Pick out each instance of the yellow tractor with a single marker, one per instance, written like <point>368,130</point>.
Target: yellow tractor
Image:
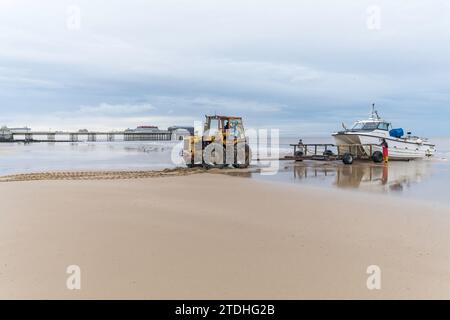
<point>223,143</point>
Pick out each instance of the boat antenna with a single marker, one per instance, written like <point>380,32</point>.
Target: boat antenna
<point>374,112</point>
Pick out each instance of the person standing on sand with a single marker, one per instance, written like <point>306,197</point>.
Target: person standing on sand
<point>385,146</point>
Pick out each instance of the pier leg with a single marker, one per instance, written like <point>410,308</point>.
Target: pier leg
<point>92,137</point>
<point>73,137</point>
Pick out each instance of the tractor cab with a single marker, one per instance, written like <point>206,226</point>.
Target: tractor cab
<point>223,128</point>
<point>223,143</point>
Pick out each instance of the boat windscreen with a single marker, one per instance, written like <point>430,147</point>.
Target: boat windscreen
<point>365,126</point>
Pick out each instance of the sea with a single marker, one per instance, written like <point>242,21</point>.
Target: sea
<point>427,180</point>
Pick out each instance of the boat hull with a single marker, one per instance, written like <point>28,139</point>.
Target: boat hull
<point>399,148</point>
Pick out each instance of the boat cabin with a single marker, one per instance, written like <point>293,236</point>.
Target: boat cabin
<point>371,126</point>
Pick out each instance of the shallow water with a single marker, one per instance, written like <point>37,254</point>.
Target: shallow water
<point>39,157</point>
<point>425,180</point>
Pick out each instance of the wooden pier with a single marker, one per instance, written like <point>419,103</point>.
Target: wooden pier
<point>90,136</point>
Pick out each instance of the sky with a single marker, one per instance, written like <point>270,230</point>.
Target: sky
<point>303,67</point>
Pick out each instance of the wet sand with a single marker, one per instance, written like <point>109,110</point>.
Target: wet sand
<point>209,236</point>
<point>425,180</point>
<point>100,175</point>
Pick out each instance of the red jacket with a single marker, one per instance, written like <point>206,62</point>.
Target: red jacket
<point>385,150</point>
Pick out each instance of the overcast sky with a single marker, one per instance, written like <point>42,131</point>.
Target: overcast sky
<point>301,66</point>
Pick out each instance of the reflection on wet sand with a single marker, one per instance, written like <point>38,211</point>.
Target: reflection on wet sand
<point>394,176</point>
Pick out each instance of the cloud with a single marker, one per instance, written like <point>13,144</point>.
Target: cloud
<point>106,109</point>
<point>65,122</point>
<point>274,62</point>
<point>223,105</point>
<point>212,104</point>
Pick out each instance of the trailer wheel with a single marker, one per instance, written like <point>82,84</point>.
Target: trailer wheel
<point>347,158</point>
<point>377,157</point>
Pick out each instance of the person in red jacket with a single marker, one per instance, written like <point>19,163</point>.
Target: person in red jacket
<point>385,146</point>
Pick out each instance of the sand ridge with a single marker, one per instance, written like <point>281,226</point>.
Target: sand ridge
<point>119,174</point>
<point>98,175</point>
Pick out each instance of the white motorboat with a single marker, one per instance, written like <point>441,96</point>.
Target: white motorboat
<point>371,132</point>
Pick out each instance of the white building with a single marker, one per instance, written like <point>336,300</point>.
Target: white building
<point>146,133</point>
<point>6,134</point>
<point>144,129</point>
<point>179,134</point>
<point>20,130</point>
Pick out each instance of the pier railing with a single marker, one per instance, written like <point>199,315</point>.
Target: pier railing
<point>91,136</point>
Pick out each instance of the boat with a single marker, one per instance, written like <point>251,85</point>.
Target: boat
<point>369,134</point>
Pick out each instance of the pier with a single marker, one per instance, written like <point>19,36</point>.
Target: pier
<point>90,136</point>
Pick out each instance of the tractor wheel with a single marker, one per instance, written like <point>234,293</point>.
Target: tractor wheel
<point>347,158</point>
<point>248,158</point>
<point>190,165</point>
<point>213,156</point>
<point>190,161</point>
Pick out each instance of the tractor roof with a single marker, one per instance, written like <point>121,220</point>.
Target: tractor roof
<point>223,117</point>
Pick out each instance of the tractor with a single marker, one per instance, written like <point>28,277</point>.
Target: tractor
<point>223,143</point>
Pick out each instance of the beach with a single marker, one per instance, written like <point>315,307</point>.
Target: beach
<point>214,236</point>
<point>227,150</point>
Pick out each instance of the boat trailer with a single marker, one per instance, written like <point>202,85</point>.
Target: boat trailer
<point>329,152</point>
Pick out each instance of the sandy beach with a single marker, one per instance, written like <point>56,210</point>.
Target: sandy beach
<point>211,236</point>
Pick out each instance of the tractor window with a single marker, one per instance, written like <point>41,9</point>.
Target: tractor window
<point>236,129</point>
<point>213,127</point>
<point>226,125</point>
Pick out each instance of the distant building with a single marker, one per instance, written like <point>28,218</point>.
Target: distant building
<point>143,129</point>
<point>180,133</point>
<point>154,133</point>
<point>147,133</point>
<point>7,134</point>
<point>20,130</point>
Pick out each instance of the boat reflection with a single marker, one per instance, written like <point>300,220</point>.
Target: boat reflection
<point>393,177</point>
